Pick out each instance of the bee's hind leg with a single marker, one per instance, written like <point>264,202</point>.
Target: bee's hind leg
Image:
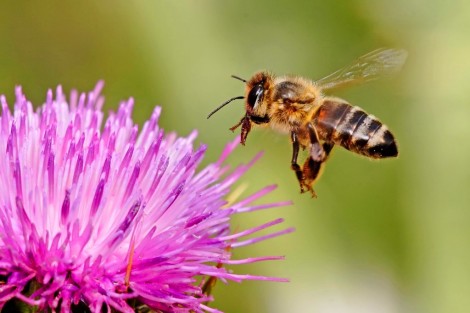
<point>299,173</point>
<point>318,155</point>
<point>313,165</point>
<point>311,169</point>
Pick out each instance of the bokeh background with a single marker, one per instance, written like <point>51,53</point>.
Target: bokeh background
<point>383,236</point>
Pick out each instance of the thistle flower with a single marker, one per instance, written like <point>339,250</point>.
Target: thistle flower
<point>112,219</point>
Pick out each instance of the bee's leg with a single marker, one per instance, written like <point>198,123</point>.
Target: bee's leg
<point>245,123</point>
<point>312,166</point>
<point>293,164</point>
<point>318,154</point>
<point>310,171</point>
<point>237,125</point>
<point>327,147</point>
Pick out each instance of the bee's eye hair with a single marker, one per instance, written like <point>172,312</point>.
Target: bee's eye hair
<point>255,94</point>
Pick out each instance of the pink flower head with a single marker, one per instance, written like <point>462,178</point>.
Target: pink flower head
<point>109,218</point>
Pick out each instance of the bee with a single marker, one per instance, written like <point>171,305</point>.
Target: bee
<point>316,122</point>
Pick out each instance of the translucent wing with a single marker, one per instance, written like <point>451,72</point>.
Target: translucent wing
<point>375,64</point>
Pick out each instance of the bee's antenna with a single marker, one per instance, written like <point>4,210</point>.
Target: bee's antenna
<point>239,78</point>
<point>224,104</point>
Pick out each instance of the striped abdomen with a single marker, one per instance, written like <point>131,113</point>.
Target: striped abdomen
<point>354,129</point>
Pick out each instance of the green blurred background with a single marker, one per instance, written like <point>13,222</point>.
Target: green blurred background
<point>383,236</point>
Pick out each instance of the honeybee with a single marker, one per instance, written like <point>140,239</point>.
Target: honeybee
<point>316,122</point>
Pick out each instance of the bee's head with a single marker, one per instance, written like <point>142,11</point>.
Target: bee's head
<point>256,91</point>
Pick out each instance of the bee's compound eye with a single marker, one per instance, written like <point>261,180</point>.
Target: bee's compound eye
<point>255,94</point>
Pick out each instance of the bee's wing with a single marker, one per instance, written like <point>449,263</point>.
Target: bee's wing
<point>375,64</point>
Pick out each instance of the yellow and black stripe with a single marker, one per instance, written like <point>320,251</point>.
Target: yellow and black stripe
<point>338,122</point>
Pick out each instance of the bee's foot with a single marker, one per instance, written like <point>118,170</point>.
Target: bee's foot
<point>307,188</point>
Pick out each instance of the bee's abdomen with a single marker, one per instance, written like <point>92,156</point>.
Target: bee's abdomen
<point>354,129</point>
